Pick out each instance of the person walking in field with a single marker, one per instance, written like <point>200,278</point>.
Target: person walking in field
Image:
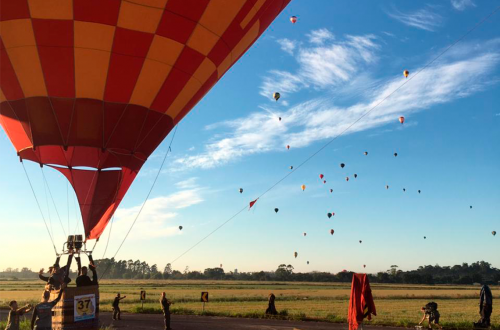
<point>116,307</point>
<point>432,314</point>
<point>485,307</point>
<point>271,309</point>
<point>165,307</point>
<point>14,314</point>
<point>42,314</point>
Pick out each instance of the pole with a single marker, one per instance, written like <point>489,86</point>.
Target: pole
<point>203,307</point>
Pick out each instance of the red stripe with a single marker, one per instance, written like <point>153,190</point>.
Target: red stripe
<point>172,86</point>
<point>97,11</point>
<point>14,9</point>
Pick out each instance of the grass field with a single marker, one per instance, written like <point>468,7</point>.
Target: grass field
<point>396,304</point>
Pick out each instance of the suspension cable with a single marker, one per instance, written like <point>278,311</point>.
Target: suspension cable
<point>346,129</point>
<point>53,202</point>
<point>109,236</point>
<point>39,208</point>
<point>169,150</point>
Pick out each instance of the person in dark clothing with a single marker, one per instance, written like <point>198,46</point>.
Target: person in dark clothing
<point>84,279</point>
<point>116,307</point>
<point>432,314</point>
<point>485,307</point>
<point>165,307</point>
<point>42,314</point>
<point>14,314</point>
<point>57,275</point>
<point>271,309</point>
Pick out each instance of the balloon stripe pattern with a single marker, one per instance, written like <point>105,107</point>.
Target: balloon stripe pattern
<point>99,84</point>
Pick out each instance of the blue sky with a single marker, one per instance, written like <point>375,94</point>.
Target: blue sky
<point>335,63</point>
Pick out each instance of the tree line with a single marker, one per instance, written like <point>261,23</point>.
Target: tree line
<point>476,272</point>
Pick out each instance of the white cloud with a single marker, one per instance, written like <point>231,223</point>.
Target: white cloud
<point>323,66</point>
<point>462,4</point>
<point>464,71</point>
<point>159,218</point>
<point>320,36</point>
<point>287,45</point>
<point>423,19</point>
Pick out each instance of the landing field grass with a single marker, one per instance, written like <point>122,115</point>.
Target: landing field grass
<point>397,305</point>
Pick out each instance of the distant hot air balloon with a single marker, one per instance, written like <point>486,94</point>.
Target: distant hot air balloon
<point>366,153</point>
<point>347,178</point>
<point>419,191</point>
<point>331,190</point>
<point>291,167</point>
<point>303,187</point>
<point>406,73</point>
<point>355,175</point>
<point>288,147</point>
<point>425,237</point>
<point>180,227</point>
<point>402,119</point>
<point>387,187</point>
<point>295,254</point>
<point>308,262</point>
<point>360,241</point>
<point>364,266</point>
<point>342,165</point>
<point>332,231</point>
<point>293,19</point>
<point>321,176</point>
<point>395,154</point>
<point>220,265</point>
<point>241,190</point>
<point>276,96</point>
<point>305,234</point>
<point>404,190</point>
<point>333,214</point>
<point>493,233</point>
<point>471,206</point>
<point>279,118</point>
<point>276,210</point>
<point>329,215</point>
<point>324,181</point>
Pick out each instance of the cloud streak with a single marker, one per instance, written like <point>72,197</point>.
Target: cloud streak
<point>423,19</point>
<point>462,4</point>
<point>464,71</point>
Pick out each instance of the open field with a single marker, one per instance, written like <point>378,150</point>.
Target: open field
<point>396,304</point>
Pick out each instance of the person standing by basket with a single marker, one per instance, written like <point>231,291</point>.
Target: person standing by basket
<point>42,314</point>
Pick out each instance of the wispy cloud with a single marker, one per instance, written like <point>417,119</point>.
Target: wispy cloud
<point>462,4</point>
<point>465,71</point>
<point>323,66</point>
<point>159,216</point>
<point>287,45</point>
<point>320,36</point>
<point>424,19</point>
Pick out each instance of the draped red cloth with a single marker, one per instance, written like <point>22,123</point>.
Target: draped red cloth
<point>361,303</point>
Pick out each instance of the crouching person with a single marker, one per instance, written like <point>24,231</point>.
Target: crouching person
<point>431,314</point>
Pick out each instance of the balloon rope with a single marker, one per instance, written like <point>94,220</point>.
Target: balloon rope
<point>39,208</point>
<point>147,197</point>
<point>109,236</point>
<point>348,127</point>
<point>54,203</point>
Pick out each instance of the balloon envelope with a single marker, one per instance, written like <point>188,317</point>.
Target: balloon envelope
<point>401,119</point>
<point>303,187</point>
<point>91,88</point>
<point>293,19</point>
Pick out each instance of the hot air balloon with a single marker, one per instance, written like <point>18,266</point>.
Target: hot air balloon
<point>471,206</point>
<point>91,88</point>
<point>329,215</point>
<point>241,190</point>
<point>303,187</point>
<point>293,19</point>
<point>288,147</point>
<point>295,254</point>
<point>419,191</point>
<point>180,227</point>
<point>220,265</point>
<point>321,176</point>
<point>395,154</point>
<point>308,262</point>
<point>387,187</point>
<point>402,119</point>
<point>342,165</point>
<point>276,96</point>
<point>493,233</point>
<point>331,190</point>
<point>291,167</point>
<point>406,73</point>
<point>355,175</point>
<point>276,210</point>
<point>425,237</point>
<point>404,190</point>
<point>347,178</point>
<point>333,214</point>
<point>332,231</point>
<point>305,234</point>
<point>279,118</point>
<point>360,242</point>
<point>324,181</point>
<point>366,153</point>
<point>364,266</point>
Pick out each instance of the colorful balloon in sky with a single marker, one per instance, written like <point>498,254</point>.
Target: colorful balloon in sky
<point>342,165</point>
<point>276,96</point>
<point>321,176</point>
<point>402,119</point>
<point>406,73</point>
<point>295,254</point>
<point>332,231</point>
<point>241,190</point>
<point>329,215</point>
<point>293,19</point>
<point>303,187</point>
<point>91,88</point>
<point>493,233</point>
